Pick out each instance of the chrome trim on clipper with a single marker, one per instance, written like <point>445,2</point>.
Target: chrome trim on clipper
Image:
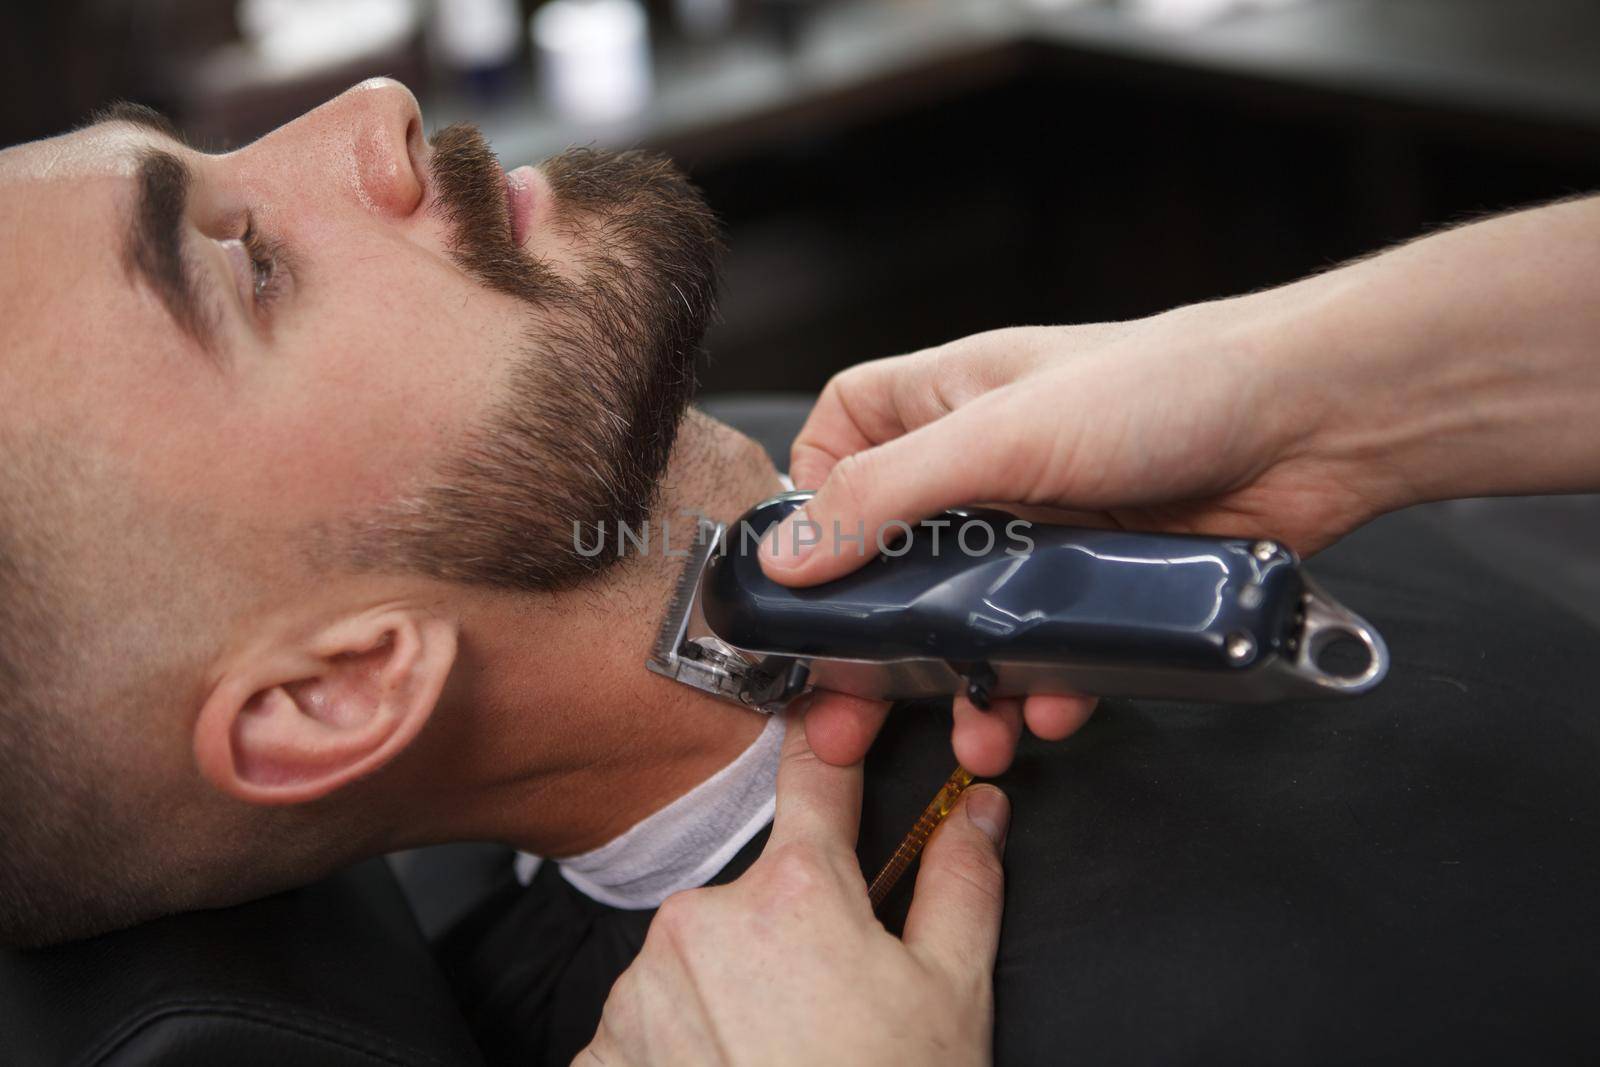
<point>1326,620</point>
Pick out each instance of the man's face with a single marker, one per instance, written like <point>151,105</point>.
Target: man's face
<point>236,388</point>
<point>323,330</point>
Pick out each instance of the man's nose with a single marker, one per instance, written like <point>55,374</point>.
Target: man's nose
<point>372,135</point>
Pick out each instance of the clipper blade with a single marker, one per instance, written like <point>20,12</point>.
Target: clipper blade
<point>668,648</point>
<point>687,651</point>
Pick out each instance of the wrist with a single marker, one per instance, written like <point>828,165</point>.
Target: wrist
<point>1344,382</point>
<point>1302,390</point>
<point>1458,365</point>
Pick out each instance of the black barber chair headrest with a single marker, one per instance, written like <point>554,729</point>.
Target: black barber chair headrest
<point>336,974</point>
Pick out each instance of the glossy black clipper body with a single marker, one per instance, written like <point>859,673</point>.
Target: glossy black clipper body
<point>981,600</point>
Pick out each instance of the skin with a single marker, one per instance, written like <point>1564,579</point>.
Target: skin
<point>740,973</point>
<point>385,711</point>
<point>382,353</point>
<point>1460,365</point>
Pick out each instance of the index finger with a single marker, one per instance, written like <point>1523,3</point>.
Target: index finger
<point>817,802</point>
<point>855,411</point>
<point>875,402</point>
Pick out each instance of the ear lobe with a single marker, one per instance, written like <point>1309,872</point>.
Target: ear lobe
<point>293,724</point>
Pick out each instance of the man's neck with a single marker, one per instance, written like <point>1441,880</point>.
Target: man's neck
<point>587,741</point>
<point>553,736</point>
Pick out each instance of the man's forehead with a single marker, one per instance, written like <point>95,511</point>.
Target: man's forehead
<point>66,295</point>
<point>61,203</point>
<point>105,150</point>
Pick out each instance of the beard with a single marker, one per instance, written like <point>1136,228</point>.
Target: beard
<point>582,433</point>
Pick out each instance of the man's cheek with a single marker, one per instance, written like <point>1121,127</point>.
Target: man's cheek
<point>336,427</point>
<point>373,376</point>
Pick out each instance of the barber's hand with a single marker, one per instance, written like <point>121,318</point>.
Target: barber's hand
<point>787,965</point>
<point>1173,423</point>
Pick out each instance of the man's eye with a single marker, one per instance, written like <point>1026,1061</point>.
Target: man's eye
<point>263,264</point>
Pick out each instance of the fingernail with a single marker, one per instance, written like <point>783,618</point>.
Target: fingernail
<point>990,812</point>
<point>789,545</point>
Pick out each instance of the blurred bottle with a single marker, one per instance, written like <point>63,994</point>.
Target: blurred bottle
<point>477,42</point>
<point>703,20</point>
<point>785,21</point>
<point>1194,14</point>
<point>286,39</point>
<point>593,58</point>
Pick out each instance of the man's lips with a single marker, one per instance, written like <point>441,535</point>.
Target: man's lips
<point>520,197</point>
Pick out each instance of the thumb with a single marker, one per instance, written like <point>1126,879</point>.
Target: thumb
<point>954,920</point>
<point>840,728</point>
<point>972,454</point>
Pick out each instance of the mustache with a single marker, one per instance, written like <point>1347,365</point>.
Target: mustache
<point>584,425</point>
<point>470,197</point>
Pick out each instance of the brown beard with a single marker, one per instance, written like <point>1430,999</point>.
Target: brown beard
<point>582,434</point>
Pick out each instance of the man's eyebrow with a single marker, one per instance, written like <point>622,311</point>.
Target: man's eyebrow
<point>153,246</point>
<point>139,115</point>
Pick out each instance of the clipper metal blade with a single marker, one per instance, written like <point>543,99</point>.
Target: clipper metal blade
<point>665,653</point>
<point>686,651</point>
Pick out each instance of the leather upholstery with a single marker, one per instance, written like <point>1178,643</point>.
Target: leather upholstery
<point>336,974</point>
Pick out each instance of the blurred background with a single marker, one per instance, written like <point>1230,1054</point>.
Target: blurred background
<point>895,173</point>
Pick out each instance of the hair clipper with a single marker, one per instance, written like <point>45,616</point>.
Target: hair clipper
<point>983,602</point>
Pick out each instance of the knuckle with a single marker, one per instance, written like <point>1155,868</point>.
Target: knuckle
<point>851,482</point>
<point>809,464</point>
<point>679,914</point>
<point>963,374</point>
<point>978,869</point>
<point>796,862</point>
<point>980,348</point>
<point>796,871</point>
<point>796,758</point>
<point>841,383</point>
<point>945,385</point>
<point>624,996</point>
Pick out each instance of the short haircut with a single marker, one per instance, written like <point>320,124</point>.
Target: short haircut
<point>91,648</point>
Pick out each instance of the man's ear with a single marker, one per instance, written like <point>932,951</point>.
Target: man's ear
<point>292,723</point>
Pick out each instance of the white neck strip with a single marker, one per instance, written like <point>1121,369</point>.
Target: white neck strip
<point>685,843</point>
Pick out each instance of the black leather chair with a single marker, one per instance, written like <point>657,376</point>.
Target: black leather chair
<point>336,973</point>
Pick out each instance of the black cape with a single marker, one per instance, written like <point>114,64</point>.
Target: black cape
<point>1406,877</point>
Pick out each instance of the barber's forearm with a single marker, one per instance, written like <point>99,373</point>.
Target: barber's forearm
<point>1463,364</point>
